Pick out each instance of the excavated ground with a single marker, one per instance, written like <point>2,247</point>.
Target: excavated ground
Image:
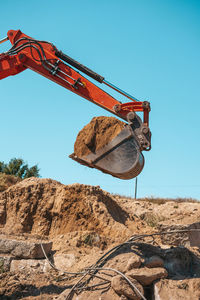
<point>83,222</point>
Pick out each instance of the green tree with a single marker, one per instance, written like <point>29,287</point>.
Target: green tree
<point>19,168</point>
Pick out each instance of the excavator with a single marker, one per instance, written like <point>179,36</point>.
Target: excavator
<point>122,157</point>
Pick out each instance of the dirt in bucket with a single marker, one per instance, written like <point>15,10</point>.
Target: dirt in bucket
<point>95,135</point>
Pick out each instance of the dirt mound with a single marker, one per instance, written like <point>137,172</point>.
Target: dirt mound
<point>95,135</point>
<point>82,221</point>
<point>7,180</point>
<point>45,207</point>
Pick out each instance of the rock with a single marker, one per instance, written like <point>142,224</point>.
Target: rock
<point>27,265</point>
<point>154,262</point>
<point>190,238</point>
<point>188,289</point>
<point>123,260</point>
<point>146,276</point>
<point>178,261</point>
<point>122,287</point>
<point>134,262</point>
<point>64,261</point>
<point>24,249</point>
<point>5,262</point>
<point>110,295</point>
<point>194,237</point>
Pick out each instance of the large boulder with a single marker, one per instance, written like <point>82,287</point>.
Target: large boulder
<point>24,249</point>
<point>147,276</point>
<point>124,262</point>
<point>121,286</point>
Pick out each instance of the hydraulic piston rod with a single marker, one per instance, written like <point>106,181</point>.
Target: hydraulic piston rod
<point>92,74</point>
<point>112,86</point>
<point>4,40</point>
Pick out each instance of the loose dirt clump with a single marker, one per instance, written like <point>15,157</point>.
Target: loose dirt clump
<point>95,135</point>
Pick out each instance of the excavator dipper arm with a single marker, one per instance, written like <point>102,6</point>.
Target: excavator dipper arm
<point>44,58</point>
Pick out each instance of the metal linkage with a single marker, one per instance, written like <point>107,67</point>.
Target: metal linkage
<point>56,69</point>
<point>42,57</point>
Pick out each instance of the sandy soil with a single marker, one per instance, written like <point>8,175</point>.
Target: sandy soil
<point>81,220</point>
<point>96,135</point>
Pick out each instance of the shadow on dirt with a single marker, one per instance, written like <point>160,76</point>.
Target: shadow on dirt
<point>27,290</point>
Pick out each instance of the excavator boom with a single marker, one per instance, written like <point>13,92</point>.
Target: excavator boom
<point>44,58</point>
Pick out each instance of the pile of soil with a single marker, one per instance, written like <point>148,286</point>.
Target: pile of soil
<point>48,209</point>
<point>45,207</point>
<point>7,180</point>
<point>95,135</point>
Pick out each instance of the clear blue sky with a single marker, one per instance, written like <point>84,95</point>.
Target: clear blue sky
<point>149,48</point>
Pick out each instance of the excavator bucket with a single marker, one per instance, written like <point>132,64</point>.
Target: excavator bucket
<point>121,157</point>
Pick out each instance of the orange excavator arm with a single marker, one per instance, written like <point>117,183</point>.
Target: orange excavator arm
<point>44,58</point>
